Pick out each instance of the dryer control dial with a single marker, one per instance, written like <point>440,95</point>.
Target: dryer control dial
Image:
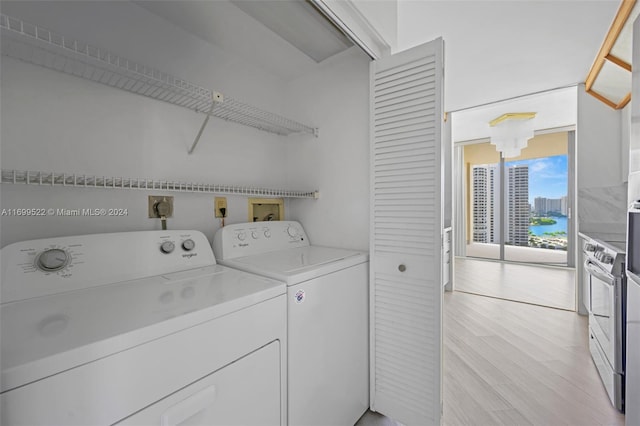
<point>167,247</point>
<point>188,245</point>
<point>52,260</point>
<point>242,236</point>
<point>267,233</point>
<point>293,232</point>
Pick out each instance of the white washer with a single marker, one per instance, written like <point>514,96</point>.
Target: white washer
<point>328,316</point>
<point>138,328</point>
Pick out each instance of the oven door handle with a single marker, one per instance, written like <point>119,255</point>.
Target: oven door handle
<point>596,272</point>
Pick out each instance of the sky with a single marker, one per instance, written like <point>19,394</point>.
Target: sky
<point>548,176</point>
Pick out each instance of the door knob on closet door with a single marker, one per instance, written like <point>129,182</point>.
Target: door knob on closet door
<point>402,267</point>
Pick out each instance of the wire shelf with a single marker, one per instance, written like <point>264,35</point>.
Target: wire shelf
<point>87,181</point>
<point>39,46</point>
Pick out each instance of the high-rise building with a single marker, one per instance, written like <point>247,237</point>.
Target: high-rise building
<point>554,205</point>
<point>493,206</point>
<point>539,205</point>
<point>564,206</point>
<point>517,206</point>
<point>480,212</point>
<point>546,206</point>
<point>486,204</point>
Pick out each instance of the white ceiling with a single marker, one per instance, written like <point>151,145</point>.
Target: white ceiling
<point>494,50</point>
<point>554,109</point>
<point>497,50</point>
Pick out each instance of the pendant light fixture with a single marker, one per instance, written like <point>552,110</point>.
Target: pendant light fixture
<point>510,132</point>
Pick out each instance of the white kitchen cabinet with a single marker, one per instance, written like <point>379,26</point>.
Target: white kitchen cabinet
<point>632,372</point>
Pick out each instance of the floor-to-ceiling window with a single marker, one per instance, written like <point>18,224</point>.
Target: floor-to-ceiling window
<point>518,208</point>
<point>483,166</point>
<point>538,210</point>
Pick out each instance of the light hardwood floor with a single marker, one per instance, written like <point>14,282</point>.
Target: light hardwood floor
<point>540,285</point>
<point>508,363</point>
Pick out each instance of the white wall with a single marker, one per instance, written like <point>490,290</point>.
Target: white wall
<point>634,123</point>
<point>336,98</point>
<point>633,108</point>
<point>56,122</point>
<point>625,138</point>
<point>602,192</point>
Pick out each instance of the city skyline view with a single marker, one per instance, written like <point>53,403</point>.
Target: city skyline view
<point>548,176</point>
<point>487,217</point>
<point>535,202</point>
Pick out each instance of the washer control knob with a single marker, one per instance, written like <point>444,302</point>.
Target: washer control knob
<point>267,233</point>
<point>607,258</point>
<point>590,247</point>
<point>188,245</point>
<point>293,232</point>
<point>242,236</point>
<point>254,235</point>
<point>167,247</point>
<point>52,260</point>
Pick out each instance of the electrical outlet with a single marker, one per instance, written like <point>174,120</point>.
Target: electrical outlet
<point>220,203</point>
<point>154,203</point>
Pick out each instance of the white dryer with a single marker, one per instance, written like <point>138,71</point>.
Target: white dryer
<point>138,328</point>
<point>328,316</point>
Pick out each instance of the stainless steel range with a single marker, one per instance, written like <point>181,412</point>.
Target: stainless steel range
<point>604,269</point>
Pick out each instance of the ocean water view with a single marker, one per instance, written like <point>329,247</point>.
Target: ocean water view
<point>560,225</point>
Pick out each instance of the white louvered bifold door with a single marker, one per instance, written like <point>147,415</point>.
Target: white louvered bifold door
<point>406,235</point>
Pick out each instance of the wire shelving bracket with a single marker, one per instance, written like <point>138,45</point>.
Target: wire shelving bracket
<point>104,182</point>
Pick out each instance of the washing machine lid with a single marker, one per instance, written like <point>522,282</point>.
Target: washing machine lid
<point>299,264</point>
<point>46,335</point>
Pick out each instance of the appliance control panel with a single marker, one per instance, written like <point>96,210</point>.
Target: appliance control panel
<point>607,255</point>
<point>245,239</point>
<point>48,266</point>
